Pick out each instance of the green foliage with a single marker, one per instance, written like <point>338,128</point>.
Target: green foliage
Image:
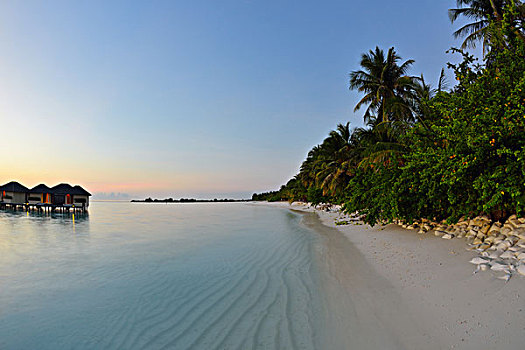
<point>469,158</point>
<point>489,19</point>
<point>370,193</point>
<point>315,196</point>
<point>387,87</point>
<point>272,196</point>
<point>465,159</point>
<point>431,153</point>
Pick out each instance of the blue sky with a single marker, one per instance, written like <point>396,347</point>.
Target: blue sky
<point>191,98</point>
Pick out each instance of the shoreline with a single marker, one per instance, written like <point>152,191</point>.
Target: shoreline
<point>432,300</point>
<point>359,302</point>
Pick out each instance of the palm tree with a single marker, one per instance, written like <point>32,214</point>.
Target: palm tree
<point>483,12</point>
<point>380,146</point>
<point>330,165</point>
<point>425,92</point>
<point>386,86</point>
<point>308,168</point>
<point>336,166</point>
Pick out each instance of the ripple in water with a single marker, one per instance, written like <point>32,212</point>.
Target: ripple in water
<point>178,276</point>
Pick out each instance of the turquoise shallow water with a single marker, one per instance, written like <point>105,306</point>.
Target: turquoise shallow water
<point>156,276</point>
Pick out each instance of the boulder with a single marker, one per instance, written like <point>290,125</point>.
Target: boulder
<point>485,228</point>
<point>476,227</point>
<point>505,277</point>
<point>471,233</point>
<point>499,238</point>
<point>494,255</point>
<point>514,223</point>
<point>463,221</point>
<point>507,255</point>
<point>439,233</point>
<point>506,230</point>
<point>484,246</point>
<point>479,260</point>
<point>498,266</point>
<point>494,229</point>
<point>504,245</point>
<point>489,239</point>
<point>477,241</point>
<point>450,229</point>
<point>520,234</point>
<point>512,239</point>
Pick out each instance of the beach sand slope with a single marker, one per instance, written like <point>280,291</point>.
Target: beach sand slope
<point>406,290</point>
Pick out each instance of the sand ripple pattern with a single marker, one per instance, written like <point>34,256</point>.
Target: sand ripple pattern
<point>254,288</point>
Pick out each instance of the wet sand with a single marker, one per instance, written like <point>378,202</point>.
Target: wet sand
<point>390,288</point>
<point>363,309</point>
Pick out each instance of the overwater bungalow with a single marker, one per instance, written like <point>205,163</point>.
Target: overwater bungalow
<point>81,197</point>
<point>63,197</point>
<point>40,194</point>
<point>14,193</point>
<point>65,194</point>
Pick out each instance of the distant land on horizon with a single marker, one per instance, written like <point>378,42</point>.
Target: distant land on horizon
<point>187,200</point>
<point>111,196</point>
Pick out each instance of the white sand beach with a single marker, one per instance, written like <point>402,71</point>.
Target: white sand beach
<point>406,290</point>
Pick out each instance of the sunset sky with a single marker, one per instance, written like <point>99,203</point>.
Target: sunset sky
<point>191,98</point>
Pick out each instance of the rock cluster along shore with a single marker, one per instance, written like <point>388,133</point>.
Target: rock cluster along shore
<point>501,247</point>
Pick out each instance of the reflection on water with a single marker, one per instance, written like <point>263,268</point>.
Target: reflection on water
<point>36,216</point>
<point>181,276</point>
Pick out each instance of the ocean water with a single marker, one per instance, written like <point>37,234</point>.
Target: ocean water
<point>157,276</point>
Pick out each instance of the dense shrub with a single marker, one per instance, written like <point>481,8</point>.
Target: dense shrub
<point>467,157</point>
<point>428,153</point>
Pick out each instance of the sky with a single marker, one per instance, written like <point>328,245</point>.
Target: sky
<point>193,98</point>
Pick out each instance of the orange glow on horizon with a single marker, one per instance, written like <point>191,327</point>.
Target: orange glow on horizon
<point>135,182</point>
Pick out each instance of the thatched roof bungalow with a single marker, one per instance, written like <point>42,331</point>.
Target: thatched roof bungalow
<point>14,193</point>
<point>69,195</point>
<point>39,194</point>
<point>81,197</point>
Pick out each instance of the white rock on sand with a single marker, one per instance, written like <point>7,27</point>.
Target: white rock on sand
<point>499,267</point>
<point>507,255</point>
<point>477,260</point>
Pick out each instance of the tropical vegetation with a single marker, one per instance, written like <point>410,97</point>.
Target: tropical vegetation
<point>436,153</point>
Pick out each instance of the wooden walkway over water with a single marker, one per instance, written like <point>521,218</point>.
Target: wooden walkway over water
<point>44,207</point>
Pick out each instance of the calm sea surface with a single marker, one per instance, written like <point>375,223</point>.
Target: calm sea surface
<point>156,276</point>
